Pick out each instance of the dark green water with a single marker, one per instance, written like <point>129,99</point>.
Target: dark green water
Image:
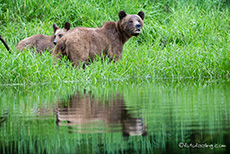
<point>149,118</point>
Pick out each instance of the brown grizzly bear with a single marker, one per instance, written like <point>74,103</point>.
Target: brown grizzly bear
<point>43,42</point>
<point>82,44</point>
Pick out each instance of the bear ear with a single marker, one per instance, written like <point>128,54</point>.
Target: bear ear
<point>55,27</point>
<point>67,26</point>
<point>122,14</point>
<point>142,15</point>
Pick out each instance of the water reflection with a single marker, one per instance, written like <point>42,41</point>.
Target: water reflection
<point>179,119</point>
<point>3,117</point>
<point>87,114</point>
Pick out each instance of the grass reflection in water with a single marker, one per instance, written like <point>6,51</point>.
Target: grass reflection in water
<point>179,118</point>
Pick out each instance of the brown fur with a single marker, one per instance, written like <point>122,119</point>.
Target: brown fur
<point>82,43</point>
<point>42,42</point>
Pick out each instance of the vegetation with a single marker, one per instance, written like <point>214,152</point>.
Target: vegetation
<point>181,39</point>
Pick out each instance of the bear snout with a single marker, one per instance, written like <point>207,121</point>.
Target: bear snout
<point>138,26</point>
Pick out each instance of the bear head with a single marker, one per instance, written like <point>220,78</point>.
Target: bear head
<point>58,33</point>
<point>129,24</point>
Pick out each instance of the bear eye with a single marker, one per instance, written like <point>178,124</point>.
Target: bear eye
<point>130,21</point>
<point>60,35</point>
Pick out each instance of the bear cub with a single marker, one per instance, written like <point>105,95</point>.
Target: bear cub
<point>42,42</point>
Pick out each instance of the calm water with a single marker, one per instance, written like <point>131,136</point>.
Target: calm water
<point>154,118</point>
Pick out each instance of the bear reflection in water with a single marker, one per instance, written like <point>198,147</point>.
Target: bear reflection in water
<point>82,110</point>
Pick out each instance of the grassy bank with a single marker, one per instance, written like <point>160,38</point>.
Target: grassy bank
<point>180,39</point>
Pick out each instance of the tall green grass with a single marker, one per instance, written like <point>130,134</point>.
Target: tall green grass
<point>180,39</point>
